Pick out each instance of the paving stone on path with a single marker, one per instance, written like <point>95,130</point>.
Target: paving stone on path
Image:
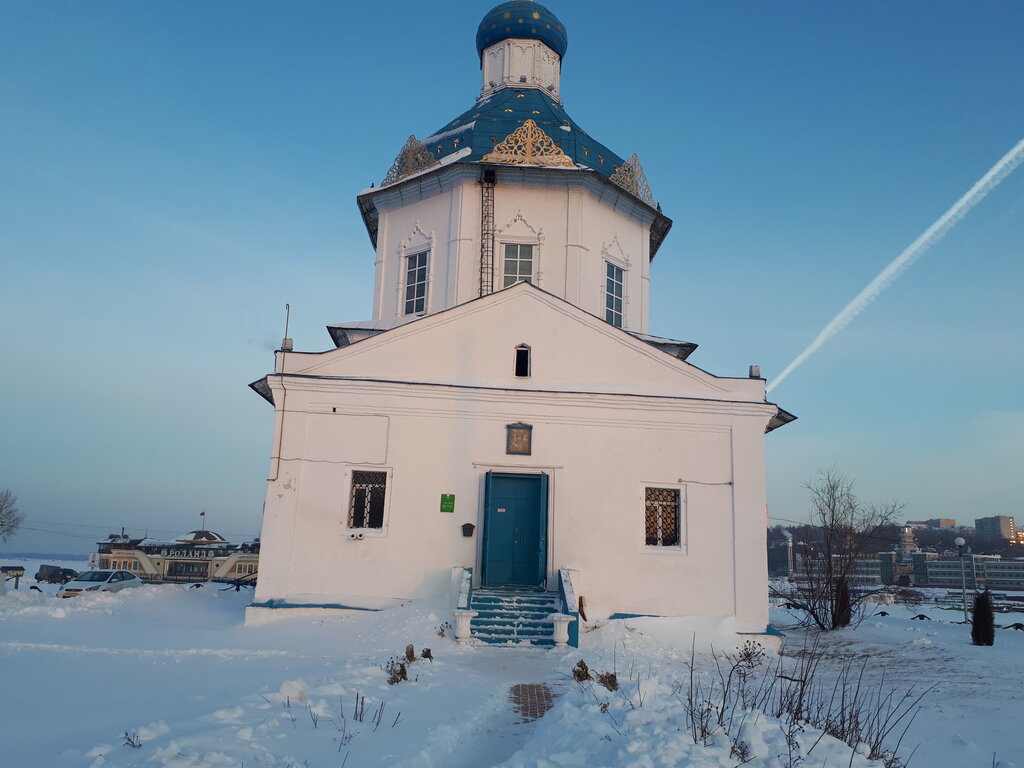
<point>531,700</point>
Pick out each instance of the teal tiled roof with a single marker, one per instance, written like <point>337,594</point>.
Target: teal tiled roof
<point>491,119</point>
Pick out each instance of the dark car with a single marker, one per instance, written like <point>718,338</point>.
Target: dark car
<point>53,574</point>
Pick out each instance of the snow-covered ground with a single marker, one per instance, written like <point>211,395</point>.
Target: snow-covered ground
<point>173,670</point>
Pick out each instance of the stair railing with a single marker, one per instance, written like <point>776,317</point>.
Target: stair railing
<point>463,612</point>
<point>570,607</point>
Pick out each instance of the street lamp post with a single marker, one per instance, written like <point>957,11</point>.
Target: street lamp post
<point>959,541</point>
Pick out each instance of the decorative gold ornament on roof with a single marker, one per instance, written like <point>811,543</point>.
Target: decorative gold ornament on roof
<point>529,145</point>
<point>413,158</point>
<point>631,177</point>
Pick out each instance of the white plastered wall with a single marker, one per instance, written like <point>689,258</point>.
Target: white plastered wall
<point>434,436</point>
<point>573,231</point>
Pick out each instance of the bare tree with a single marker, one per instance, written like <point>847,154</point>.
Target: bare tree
<point>10,517</point>
<point>830,589</point>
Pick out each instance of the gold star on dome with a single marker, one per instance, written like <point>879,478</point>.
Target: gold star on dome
<point>506,15</point>
<point>536,16</point>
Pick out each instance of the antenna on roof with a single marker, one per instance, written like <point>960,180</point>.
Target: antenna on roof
<point>286,343</point>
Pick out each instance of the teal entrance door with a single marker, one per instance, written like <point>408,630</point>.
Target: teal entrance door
<point>515,529</point>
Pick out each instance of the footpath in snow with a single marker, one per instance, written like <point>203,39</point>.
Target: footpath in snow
<point>168,676</point>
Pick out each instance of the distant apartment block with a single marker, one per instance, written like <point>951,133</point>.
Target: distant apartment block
<point>996,528</point>
<point>921,569</point>
<point>935,522</point>
<point>979,572</point>
<point>866,570</point>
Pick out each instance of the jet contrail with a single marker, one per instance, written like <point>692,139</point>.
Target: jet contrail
<point>928,238</point>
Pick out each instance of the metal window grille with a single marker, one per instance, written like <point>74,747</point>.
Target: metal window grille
<point>518,264</point>
<point>416,283</point>
<point>366,505</point>
<point>613,294</point>
<point>661,517</point>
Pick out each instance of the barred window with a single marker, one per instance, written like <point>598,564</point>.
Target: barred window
<point>661,517</point>
<point>366,504</point>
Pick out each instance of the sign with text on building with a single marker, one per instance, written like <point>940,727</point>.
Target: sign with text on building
<point>448,502</point>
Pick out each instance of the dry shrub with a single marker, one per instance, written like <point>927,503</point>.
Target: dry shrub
<point>397,672</point>
<point>609,680</point>
<point>581,672</point>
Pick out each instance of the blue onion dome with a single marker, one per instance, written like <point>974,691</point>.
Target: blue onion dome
<point>522,19</point>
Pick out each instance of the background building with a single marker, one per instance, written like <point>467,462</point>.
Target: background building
<point>197,556</point>
<point>997,528</point>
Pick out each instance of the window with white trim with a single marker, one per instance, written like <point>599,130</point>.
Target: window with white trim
<point>416,282</point>
<point>366,500</point>
<point>662,522</point>
<point>517,264</point>
<point>613,294</point>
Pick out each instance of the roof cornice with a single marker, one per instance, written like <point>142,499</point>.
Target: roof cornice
<point>443,178</point>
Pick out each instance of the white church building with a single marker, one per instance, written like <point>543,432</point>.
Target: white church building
<point>504,430</point>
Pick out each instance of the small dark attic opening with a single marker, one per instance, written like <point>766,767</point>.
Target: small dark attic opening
<point>522,361</point>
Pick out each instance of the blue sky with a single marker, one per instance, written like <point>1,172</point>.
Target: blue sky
<point>172,173</point>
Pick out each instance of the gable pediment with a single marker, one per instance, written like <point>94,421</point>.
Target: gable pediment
<point>474,344</point>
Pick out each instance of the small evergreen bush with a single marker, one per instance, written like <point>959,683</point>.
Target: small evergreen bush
<point>983,625</point>
<point>843,613</point>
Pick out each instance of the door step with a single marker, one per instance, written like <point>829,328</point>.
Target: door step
<point>514,617</point>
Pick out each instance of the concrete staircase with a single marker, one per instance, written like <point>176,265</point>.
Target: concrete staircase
<point>514,617</point>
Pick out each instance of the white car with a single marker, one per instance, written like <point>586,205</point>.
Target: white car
<point>99,581</point>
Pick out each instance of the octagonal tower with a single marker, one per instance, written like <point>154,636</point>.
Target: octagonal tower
<point>511,190</point>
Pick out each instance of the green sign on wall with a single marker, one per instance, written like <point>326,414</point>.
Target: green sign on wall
<point>448,502</point>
